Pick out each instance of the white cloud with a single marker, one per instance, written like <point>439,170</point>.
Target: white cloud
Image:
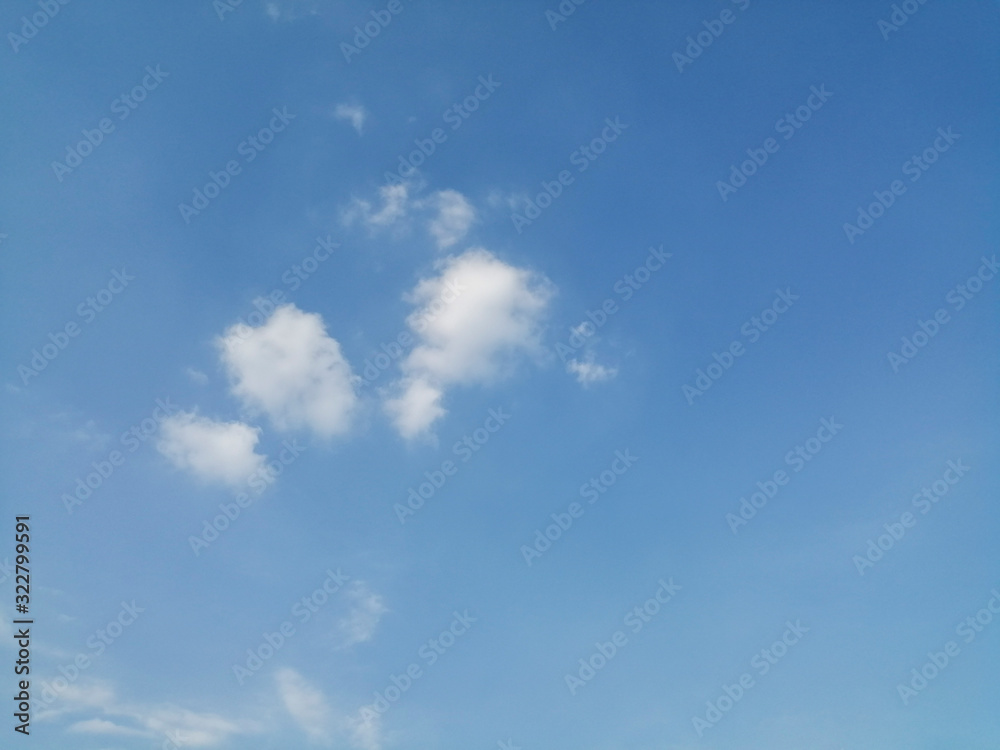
<point>473,322</point>
<point>588,372</point>
<point>213,451</point>
<point>455,215</point>
<point>196,376</point>
<point>366,610</point>
<point>306,704</point>
<point>290,369</point>
<point>353,113</point>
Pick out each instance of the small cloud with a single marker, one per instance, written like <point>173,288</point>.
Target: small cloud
<point>212,451</point>
<point>395,207</point>
<point>497,199</point>
<point>417,406</point>
<point>361,621</point>
<point>290,10</point>
<point>455,215</point>
<point>588,372</point>
<point>90,436</point>
<point>353,113</point>
<point>196,376</point>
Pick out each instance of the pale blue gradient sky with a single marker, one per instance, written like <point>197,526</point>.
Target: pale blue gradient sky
<point>826,357</point>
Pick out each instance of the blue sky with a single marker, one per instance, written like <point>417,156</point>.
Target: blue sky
<point>420,443</point>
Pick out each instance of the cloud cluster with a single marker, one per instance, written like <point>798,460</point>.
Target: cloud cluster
<point>447,215</point>
<point>475,318</point>
<point>473,321</point>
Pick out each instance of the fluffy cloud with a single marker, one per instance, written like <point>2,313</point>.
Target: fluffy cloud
<point>353,113</point>
<point>213,451</point>
<point>291,370</point>
<point>455,215</point>
<point>473,322</point>
<point>366,610</point>
<point>307,706</point>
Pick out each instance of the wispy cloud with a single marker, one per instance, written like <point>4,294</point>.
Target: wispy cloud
<point>366,609</point>
<point>447,215</point>
<point>455,215</point>
<point>356,114</point>
<point>118,719</point>
<point>307,706</point>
